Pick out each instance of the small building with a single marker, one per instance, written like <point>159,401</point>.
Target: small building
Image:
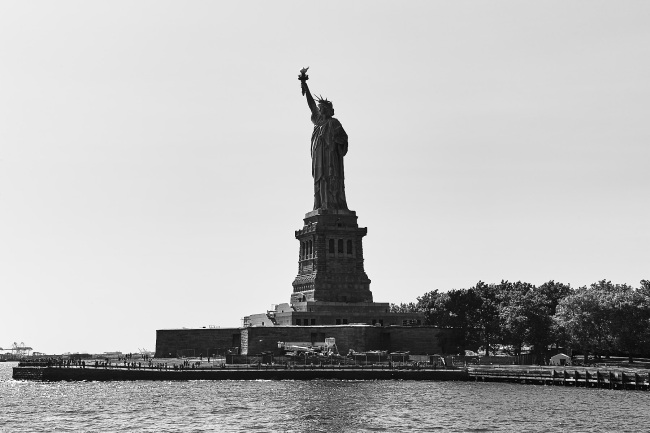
<point>560,359</point>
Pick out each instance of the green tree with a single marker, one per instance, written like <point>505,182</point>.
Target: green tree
<point>432,304</point>
<point>514,313</point>
<point>542,306</point>
<point>594,318</point>
<point>486,317</point>
<point>455,311</point>
<point>403,308</point>
<point>629,319</point>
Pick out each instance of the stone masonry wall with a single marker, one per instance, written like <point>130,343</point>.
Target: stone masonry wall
<point>254,340</point>
<point>414,339</point>
<point>193,342</point>
<point>417,340</point>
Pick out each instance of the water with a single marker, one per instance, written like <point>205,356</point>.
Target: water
<point>314,406</point>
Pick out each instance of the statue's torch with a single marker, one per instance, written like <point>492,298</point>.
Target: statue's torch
<point>303,77</point>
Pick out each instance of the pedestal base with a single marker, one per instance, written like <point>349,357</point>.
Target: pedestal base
<point>330,266</point>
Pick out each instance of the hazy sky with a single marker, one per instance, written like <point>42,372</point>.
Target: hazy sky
<point>154,156</point>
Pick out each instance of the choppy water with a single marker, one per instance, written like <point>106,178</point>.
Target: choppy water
<point>314,406</point>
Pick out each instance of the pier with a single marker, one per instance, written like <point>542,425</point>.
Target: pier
<point>586,378</point>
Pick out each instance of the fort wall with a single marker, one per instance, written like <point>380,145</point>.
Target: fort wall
<point>196,342</point>
<point>256,339</point>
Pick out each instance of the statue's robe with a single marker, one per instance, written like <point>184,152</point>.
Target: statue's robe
<point>329,144</point>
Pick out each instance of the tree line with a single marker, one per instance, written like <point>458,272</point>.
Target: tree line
<point>600,320</point>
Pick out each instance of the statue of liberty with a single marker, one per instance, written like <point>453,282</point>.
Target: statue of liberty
<point>329,144</point>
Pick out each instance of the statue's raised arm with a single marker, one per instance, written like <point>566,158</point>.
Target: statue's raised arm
<point>303,77</point>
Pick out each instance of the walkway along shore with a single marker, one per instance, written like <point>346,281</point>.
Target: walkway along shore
<point>245,372</point>
<point>588,378</point>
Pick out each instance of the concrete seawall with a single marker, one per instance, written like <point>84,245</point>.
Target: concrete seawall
<point>639,380</point>
<point>120,374</point>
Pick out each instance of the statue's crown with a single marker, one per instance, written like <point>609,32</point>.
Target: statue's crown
<point>322,100</point>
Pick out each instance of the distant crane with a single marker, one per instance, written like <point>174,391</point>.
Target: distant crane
<point>19,350</point>
<point>145,353</point>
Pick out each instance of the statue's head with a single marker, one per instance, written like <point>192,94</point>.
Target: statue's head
<point>325,107</point>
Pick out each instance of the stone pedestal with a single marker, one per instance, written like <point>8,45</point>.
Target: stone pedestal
<point>331,287</point>
<point>330,263</point>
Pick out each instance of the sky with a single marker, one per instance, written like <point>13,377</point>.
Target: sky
<point>155,162</point>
